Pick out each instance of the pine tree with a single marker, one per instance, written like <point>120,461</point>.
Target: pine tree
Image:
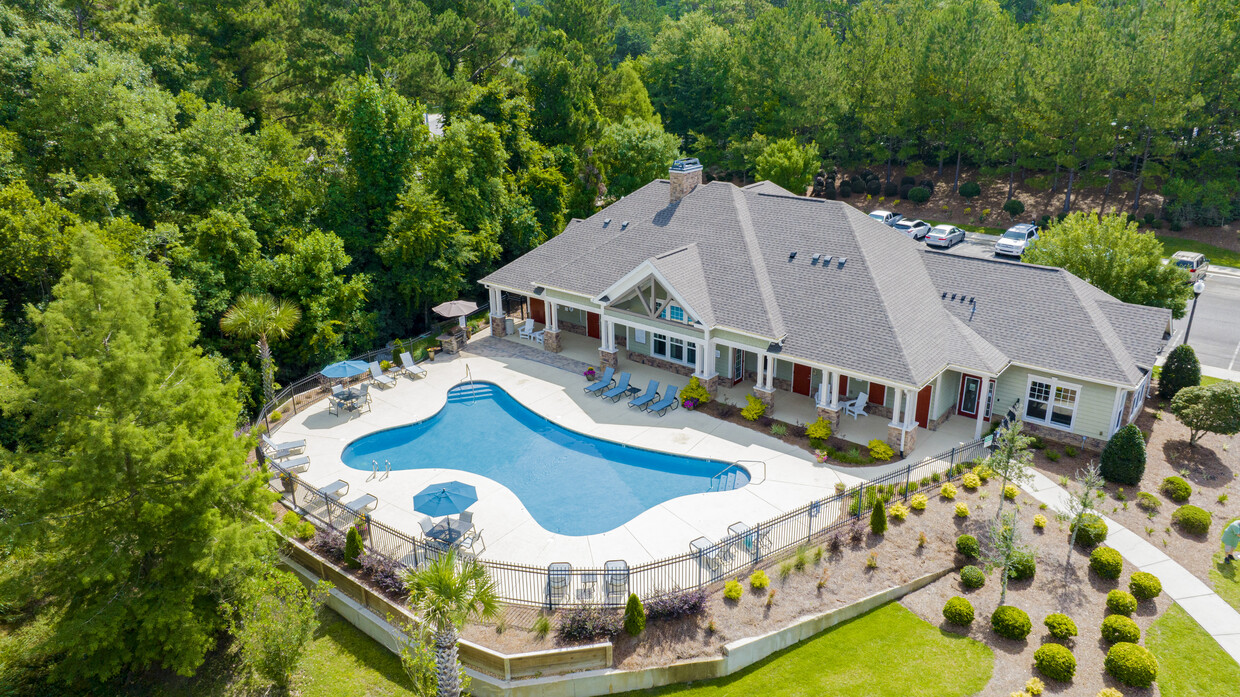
<point>1181,370</point>
<point>634,616</point>
<point>878,518</point>
<point>353,548</point>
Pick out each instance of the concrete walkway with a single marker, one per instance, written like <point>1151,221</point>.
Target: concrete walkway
<point>1219,619</point>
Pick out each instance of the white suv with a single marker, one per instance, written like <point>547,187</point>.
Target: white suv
<point>1016,240</point>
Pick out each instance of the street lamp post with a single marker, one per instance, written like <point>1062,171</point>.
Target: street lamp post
<point>1198,288</point>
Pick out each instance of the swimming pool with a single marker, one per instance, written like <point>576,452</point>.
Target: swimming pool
<point>571,484</point>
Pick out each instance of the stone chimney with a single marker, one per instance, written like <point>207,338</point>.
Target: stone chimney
<point>686,175</point>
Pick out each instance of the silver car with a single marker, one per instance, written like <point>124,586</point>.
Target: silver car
<point>916,229</point>
<point>944,236</point>
<point>886,217</point>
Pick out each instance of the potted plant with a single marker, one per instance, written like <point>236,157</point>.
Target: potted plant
<point>690,403</point>
<point>286,481</point>
<point>590,374</point>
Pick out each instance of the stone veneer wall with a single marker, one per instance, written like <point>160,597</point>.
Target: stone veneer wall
<point>656,362</point>
<point>1064,437</point>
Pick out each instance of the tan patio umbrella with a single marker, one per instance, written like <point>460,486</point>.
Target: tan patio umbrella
<point>456,308</point>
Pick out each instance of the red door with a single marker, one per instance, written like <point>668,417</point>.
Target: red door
<point>970,395</point>
<point>538,311</point>
<point>843,388</point>
<point>592,326</point>
<point>878,393</point>
<point>923,406</point>
<point>801,379</point>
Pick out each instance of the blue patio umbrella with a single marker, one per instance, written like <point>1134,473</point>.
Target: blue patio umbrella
<point>445,499</point>
<point>344,369</point>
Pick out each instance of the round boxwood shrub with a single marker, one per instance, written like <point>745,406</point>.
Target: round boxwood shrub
<point>1055,662</point>
<point>1177,489</point>
<point>845,190</point>
<point>1093,530</point>
<point>972,577</point>
<point>1181,370</point>
<point>904,189</point>
<point>1060,626</point>
<point>1024,566</point>
<point>873,186</point>
<point>1117,628</point>
<point>1106,562</point>
<point>970,190</point>
<point>906,179</point>
<point>1011,622</point>
<point>1192,520</point>
<point>1013,207</point>
<point>891,189</point>
<point>918,194</point>
<point>1132,665</point>
<point>1123,458</point>
<point>1121,602</point>
<point>927,185</point>
<point>1144,586</point>
<point>958,611</point>
<point>968,546</point>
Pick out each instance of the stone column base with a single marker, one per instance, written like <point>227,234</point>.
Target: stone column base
<point>831,416</point>
<point>609,359</point>
<point>551,341</point>
<point>498,327</point>
<point>767,397</point>
<point>711,384</point>
<point>893,439</point>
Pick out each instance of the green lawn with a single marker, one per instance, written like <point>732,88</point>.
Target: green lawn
<point>1226,577</point>
<point>1190,663</point>
<point>889,652</point>
<point>1216,255</point>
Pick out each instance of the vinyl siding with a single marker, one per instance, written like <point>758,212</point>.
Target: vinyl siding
<point>1094,403</point>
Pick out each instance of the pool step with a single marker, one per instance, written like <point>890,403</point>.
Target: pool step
<point>470,393</point>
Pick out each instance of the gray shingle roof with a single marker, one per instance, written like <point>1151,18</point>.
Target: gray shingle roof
<point>725,250</point>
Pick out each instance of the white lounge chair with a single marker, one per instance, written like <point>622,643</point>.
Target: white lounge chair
<point>296,465</point>
<point>362,504</point>
<point>279,451</point>
<point>707,552</point>
<point>527,331</point>
<point>558,575</point>
<point>409,367</point>
<point>856,407</point>
<point>616,576</point>
<point>336,489</point>
<point>377,376</point>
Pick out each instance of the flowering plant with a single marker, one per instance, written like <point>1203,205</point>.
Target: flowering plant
<point>690,403</point>
<point>589,373</point>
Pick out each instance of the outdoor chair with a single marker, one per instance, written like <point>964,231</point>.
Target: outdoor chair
<point>527,332</point>
<point>467,518</point>
<point>707,552</point>
<point>296,465</point>
<point>377,376</point>
<point>616,576</point>
<point>426,524</point>
<point>602,383</point>
<point>558,575</point>
<point>363,398</point>
<point>473,539</point>
<point>409,367</point>
<point>622,386</point>
<point>362,504</point>
<point>856,407</point>
<point>336,489</point>
<point>279,451</point>
<point>650,395</point>
<point>669,401</point>
<point>585,586</point>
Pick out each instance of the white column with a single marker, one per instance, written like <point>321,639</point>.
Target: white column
<point>910,409</point>
<point>553,317</point>
<point>981,408</point>
<point>497,307</point>
<point>770,375</point>
<point>937,399</point>
<point>835,390</point>
<point>607,332</point>
<point>760,378</point>
<point>895,407</point>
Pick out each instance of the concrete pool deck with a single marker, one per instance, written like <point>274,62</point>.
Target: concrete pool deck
<point>510,533</point>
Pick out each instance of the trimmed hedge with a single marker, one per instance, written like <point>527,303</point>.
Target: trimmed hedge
<point>970,190</point>
<point>968,546</point>
<point>1055,662</point>
<point>1060,625</point>
<point>1013,207</point>
<point>891,189</point>
<point>1192,520</point>
<point>1106,562</point>
<point>1176,489</point>
<point>1011,622</point>
<point>634,616</point>
<point>958,611</point>
<point>1144,586</point>
<point>1024,566</point>
<point>972,577</point>
<point>1117,628</point>
<point>1132,665</point>
<point>918,194</point>
<point>1121,602</point>
<point>1093,530</point>
<point>1123,458</point>
<point>1181,370</point>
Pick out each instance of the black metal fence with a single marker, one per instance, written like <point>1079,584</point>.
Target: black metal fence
<point>764,542</point>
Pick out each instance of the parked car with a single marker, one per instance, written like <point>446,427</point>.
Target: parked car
<point>1194,263</point>
<point>1016,240</point>
<point>916,229</point>
<point>886,217</point>
<point>944,236</point>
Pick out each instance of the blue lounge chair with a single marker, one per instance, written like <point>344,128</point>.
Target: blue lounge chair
<point>669,400</point>
<point>602,383</point>
<point>622,386</point>
<point>651,394</point>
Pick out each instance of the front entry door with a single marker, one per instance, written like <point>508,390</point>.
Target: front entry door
<point>801,379</point>
<point>923,406</point>
<point>538,311</point>
<point>592,326</point>
<point>970,395</point>
<point>738,365</point>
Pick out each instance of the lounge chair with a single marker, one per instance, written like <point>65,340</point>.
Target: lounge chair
<point>856,407</point>
<point>527,331</point>
<point>336,489</point>
<point>650,395</point>
<point>558,575</point>
<point>622,386</point>
<point>377,376</point>
<point>409,367</point>
<point>669,401</point>
<point>362,504</point>
<point>616,576</point>
<point>279,451</point>
<point>602,383</point>
<point>707,552</point>
<point>296,465</point>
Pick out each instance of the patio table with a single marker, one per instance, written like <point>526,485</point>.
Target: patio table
<point>449,531</point>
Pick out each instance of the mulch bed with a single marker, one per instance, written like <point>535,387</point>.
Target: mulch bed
<point>795,434</point>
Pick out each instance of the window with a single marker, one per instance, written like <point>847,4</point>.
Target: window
<point>1138,398</point>
<point>675,313</point>
<point>674,349</point>
<point>1051,402</point>
<point>659,347</point>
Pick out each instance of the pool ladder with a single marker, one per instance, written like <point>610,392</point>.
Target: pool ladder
<point>473,397</point>
<point>374,470</point>
<point>725,479</point>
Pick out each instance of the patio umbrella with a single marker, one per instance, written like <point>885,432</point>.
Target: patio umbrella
<point>456,308</point>
<point>444,499</point>
<point>344,369</point>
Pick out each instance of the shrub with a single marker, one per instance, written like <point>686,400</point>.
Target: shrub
<point>330,544</point>
<point>1109,692</point>
<point>1148,502</point>
<point>687,603</point>
<point>1070,450</point>
<point>968,546</point>
<point>845,190</point>
<point>972,577</point>
<point>398,347</point>
<point>983,472</point>
<point>1010,491</point>
<point>898,511</point>
<point>918,502</point>
<point>1060,626</point>
<point>385,573</point>
<point>919,194</point>
<point>927,185</point>
<point>948,491</point>
<point>1039,521</point>
<point>1121,602</point>
<point>1192,520</point>
<point>971,481</point>
<point>634,616</point>
<point>1011,622</point>
<point>1117,628</point>
<point>1093,530</point>
<point>1123,458</point>
<point>586,623</point>
<point>970,190</point>
<point>754,408</point>
<point>694,391</point>
<point>818,431</point>
<point>353,548</point>
<point>962,510</point>
<point>1177,489</point>
<point>873,186</point>
<point>878,518</point>
<point>759,580</point>
<point>1055,661</point>
<point>275,416</point>
<point>904,190</point>
<point>891,189</point>
<point>1013,207</point>
<point>1132,665</point>
<point>1144,586</point>
<point>542,626</point>
<point>732,590</point>
<point>1053,455</point>
<point>1024,565</point>
<point>958,611</point>
<point>1106,562</point>
<point>906,179</point>
<point>1181,370</point>
<point>1034,686</point>
<point>879,450</point>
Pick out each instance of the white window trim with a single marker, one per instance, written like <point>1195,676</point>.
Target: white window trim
<point>665,313</point>
<point>688,344</point>
<point>1138,398</point>
<point>1050,401</point>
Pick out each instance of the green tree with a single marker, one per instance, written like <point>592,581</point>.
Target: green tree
<point>1123,458</point>
<point>1011,458</point>
<point>634,616</point>
<point>1080,503</point>
<point>688,73</point>
<point>1208,409</point>
<point>1112,254</point>
<point>264,318</point>
<point>622,95</point>
<point>588,22</point>
<point>218,255</point>
<point>788,165</point>
<point>878,518</point>
<point>273,619</point>
<point>141,507</point>
<point>634,153</point>
<point>1004,549</point>
<point>446,593</point>
<point>561,83</point>
<point>1181,370</point>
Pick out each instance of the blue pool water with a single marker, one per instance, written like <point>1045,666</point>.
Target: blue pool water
<point>571,484</point>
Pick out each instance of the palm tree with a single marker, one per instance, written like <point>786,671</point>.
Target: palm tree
<point>261,317</point>
<point>446,596</point>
